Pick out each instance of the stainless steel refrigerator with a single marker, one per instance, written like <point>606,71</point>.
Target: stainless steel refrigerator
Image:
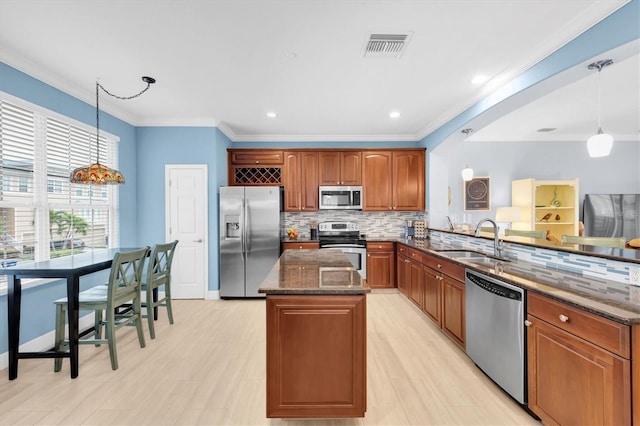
<point>249,238</point>
<point>612,215</point>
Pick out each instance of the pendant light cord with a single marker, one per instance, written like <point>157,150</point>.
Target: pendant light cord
<point>599,99</point>
<point>148,80</point>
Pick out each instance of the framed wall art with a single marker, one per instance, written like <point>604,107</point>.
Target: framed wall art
<point>477,194</point>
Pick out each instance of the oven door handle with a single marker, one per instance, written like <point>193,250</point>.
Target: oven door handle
<point>343,245</point>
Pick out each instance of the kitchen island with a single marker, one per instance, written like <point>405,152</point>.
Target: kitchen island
<point>316,336</point>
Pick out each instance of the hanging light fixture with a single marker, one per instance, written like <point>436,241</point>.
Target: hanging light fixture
<point>599,145</point>
<point>467,172</point>
<point>99,174</point>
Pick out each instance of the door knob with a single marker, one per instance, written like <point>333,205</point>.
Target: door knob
<point>198,240</point>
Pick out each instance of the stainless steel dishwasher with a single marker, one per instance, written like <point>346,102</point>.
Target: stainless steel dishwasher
<point>495,331</point>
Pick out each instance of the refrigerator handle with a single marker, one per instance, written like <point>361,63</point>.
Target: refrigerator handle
<point>242,227</point>
<point>247,228</point>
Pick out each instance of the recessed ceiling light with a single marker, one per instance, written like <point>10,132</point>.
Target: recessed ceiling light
<point>394,114</point>
<point>272,114</point>
<point>479,79</point>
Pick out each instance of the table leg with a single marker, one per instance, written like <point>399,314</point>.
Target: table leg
<point>14,296</point>
<point>73,288</point>
<point>155,308</point>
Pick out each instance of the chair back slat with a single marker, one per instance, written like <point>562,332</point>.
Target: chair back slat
<point>159,270</point>
<point>614,242</point>
<point>126,274</point>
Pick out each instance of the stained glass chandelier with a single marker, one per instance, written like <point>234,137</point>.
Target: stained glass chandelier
<point>96,173</point>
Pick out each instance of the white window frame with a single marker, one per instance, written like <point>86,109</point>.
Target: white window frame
<point>41,203</point>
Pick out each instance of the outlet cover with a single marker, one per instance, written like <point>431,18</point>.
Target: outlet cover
<point>634,295</point>
<point>634,274</point>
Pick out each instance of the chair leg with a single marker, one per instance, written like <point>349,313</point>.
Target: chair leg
<point>167,296</point>
<point>59,339</point>
<point>149,296</point>
<point>137,312</point>
<point>111,338</point>
<point>97,325</point>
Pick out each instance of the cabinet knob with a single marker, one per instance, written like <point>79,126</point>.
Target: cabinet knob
<point>257,161</point>
<point>527,323</point>
<point>564,318</point>
<point>439,265</point>
<point>303,208</point>
<point>368,255</point>
<point>300,247</point>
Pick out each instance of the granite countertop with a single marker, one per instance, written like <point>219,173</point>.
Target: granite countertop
<point>606,298</point>
<point>313,272</point>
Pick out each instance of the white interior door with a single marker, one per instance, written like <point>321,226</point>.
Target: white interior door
<point>186,212</point>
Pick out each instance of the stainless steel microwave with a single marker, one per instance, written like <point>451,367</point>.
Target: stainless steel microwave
<point>340,197</point>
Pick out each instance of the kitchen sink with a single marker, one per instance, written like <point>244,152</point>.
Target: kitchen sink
<point>464,254</point>
<point>472,256</point>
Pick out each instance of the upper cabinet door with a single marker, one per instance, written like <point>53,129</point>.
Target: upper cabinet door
<point>351,168</point>
<point>408,180</point>
<point>340,168</point>
<point>376,180</point>
<point>329,165</point>
<point>300,178</point>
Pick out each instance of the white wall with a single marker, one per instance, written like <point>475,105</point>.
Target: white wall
<point>507,161</point>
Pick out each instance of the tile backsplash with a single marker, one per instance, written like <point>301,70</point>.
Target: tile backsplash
<point>585,265</point>
<point>372,224</point>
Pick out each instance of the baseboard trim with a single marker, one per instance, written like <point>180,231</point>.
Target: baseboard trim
<point>212,295</point>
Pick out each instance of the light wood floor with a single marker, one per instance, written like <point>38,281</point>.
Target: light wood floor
<point>209,368</point>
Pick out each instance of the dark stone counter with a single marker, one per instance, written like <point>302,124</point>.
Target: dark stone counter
<point>313,272</point>
<point>603,297</point>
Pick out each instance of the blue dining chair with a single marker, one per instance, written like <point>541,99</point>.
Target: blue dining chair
<point>122,288</point>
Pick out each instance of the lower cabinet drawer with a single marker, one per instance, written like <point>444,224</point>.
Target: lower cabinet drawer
<point>607,334</point>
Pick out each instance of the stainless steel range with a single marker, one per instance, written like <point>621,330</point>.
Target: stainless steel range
<point>346,237</point>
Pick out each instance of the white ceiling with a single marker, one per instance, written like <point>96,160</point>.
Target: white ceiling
<point>228,62</point>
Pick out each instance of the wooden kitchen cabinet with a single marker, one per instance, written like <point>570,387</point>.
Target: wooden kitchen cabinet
<point>579,368</point>
<point>340,167</point>
<point>316,356</point>
<point>300,245</point>
<point>381,271</point>
<point>403,273</point>
<point>453,310</point>
<point>432,301</point>
<point>416,283</point>
<point>393,180</point>
<point>408,180</point>
<point>300,179</point>
<point>254,167</point>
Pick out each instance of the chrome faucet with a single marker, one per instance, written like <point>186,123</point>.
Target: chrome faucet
<point>498,245</point>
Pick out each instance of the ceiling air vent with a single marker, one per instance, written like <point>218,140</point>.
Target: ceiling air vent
<point>386,45</point>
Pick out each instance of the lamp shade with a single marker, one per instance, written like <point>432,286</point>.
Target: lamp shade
<point>508,214</point>
<point>599,145</point>
<point>467,173</point>
<point>96,174</point>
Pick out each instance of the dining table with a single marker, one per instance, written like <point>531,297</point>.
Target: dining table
<point>70,268</point>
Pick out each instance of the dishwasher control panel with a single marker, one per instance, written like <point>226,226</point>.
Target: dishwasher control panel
<point>499,289</point>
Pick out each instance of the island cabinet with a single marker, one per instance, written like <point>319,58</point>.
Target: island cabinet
<point>393,180</point>
<point>579,367</point>
<point>340,167</point>
<point>300,180</point>
<point>316,331</point>
<point>381,271</point>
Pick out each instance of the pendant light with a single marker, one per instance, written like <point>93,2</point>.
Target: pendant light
<point>599,145</point>
<point>96,173</point>
<point>467,172</point>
